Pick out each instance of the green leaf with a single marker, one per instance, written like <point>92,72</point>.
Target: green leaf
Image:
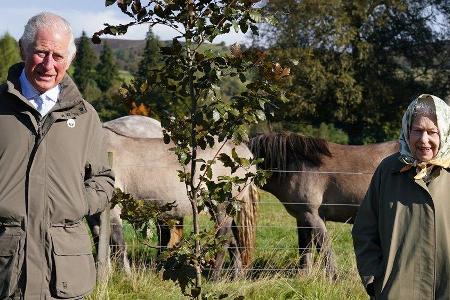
<point>195,291</point>
<point>96,39</point>
<point>210,140</point>
<point>209,172</point>
<point>142,13</point>
<point>166,138</point>
<point>226,160</point>
<point>159,11</point>
<point>216,116</point>
<point>176,45</point>
<point>271,20</point>
<point>110,2</point>
<point>243,25</point>
<point>255,15</point>
<point>260,115</point>
<point>242,77</point>
<point>234,154</point>
<point>113,30</point>
<point>261,103</point>
<point>255,29</point>
<point>283,97</point>
<point>235,26</point>
<point>202,143</point>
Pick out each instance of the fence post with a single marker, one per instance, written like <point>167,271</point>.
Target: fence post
<point>103,263</point>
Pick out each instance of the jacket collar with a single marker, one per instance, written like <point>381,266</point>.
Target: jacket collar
<point>397,166</point>
<point>29,92</point>
<point>69,99</point>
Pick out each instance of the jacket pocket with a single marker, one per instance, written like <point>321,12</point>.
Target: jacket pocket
<point>73,263</point>
<point>10,260</point>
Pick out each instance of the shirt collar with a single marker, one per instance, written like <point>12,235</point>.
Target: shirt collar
<point>29,92</point>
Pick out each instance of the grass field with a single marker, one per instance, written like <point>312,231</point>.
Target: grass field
<point>276,249</point>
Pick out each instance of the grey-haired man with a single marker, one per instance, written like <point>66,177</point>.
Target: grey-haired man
<point>53,170</point>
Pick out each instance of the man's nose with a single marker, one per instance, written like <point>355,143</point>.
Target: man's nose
<point>48,62</point>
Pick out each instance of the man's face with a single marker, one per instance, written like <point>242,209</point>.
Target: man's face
<point>47,60</point>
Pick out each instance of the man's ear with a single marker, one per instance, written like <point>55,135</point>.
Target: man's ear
<point>22,51</point>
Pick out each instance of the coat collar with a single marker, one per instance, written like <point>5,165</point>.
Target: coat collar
<point>29,92</point>
<point>70,100</point>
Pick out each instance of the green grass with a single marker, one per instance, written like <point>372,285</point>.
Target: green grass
<point>276,240</point>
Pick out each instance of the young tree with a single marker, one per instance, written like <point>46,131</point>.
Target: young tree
<point>107,71</point>
<point>192,76</point>
<point>9,54</point>
<point>84,65</point>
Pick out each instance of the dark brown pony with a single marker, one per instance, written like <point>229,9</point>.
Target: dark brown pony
<point>318,181</point>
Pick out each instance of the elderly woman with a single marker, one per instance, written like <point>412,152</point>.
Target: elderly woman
<point>401,234</point>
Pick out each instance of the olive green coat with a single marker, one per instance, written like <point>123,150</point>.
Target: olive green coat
<point>53,172</point>
<point>401,234</point>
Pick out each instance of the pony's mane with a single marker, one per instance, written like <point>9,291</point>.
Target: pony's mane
<point>281,149</point>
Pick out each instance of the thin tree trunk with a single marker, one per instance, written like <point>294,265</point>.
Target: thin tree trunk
<point>193,198</point>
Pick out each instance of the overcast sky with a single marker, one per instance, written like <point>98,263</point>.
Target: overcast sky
<point>87,15</point>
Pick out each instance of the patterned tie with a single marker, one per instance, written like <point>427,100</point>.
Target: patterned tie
<point>39,101</point>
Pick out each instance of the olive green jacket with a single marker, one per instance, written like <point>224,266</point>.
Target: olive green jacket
<point>53,172</point>
<point>401,234</point>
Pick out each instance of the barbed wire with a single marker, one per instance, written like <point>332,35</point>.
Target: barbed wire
<point>260,202</point>
<point>244,269</point>
<point>306,203</point>
<point>319,172</point>
<point>238,247</point>
<point>268,170</point>
<point>267,248</point>
<point>254,226</point>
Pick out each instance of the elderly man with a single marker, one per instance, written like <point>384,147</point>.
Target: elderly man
<point>53,170</point>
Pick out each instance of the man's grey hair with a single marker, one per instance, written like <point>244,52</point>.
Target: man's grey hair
<point>46,20</point>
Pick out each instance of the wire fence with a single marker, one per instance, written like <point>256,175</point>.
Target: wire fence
<point>284,245</point>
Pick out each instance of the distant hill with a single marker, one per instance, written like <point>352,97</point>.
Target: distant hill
<point>128,53</point>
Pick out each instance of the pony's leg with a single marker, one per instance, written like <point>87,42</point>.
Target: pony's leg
<point>224,229</point>
<point>235,252</point>
<point>176,234</point>
<point>163,231</point>
<point>304,232</point>
<point>93,222</point>
<point>117,240</point>
<point>225,225</point>
<point>323,244</point>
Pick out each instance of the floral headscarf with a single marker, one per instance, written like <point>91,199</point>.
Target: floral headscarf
<point>442,158</point>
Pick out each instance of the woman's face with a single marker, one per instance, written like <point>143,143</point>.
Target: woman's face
<point>424,138</point>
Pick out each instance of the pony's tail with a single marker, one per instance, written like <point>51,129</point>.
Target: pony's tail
<point>246,221</point>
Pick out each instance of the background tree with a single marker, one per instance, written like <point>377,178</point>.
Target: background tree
<point>193,76</point>
<point>84,68</point>
<point>151,64</point>
<point>151,58</point>
<point>360,62</point>
<point>9,54</point>
<point>107,71</point>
